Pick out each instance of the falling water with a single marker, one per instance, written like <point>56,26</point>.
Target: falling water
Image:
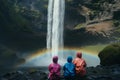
<point>55,40</point>
<point>55,25</point>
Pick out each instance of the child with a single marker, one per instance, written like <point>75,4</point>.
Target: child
<point>80,65</point>
<point>54,69</point>
<point>69,69</point>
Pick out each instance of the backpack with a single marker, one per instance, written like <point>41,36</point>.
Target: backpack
<point>79,67</point>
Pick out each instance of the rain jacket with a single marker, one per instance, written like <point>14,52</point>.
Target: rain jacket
<point>54,70</point>
<point>69,68</point>
<point>80,64</point>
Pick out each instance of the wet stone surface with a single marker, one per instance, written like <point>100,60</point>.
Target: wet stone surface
<point>93,73</point>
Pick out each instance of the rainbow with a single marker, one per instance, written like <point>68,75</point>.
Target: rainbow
<point>43,51</point>
<point>40,53</point>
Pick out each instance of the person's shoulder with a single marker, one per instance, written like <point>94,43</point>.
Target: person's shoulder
<point>68,63</point>
<point>83,59</point>
<point>58,64</point>
<point>71,64</point>
<point>75,59</point>
<point>65,64</point>
<point>51,64</point>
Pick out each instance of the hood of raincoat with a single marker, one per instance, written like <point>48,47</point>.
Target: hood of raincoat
<point>79,54</point>
<point>55,59</point>
<point>69,59</point>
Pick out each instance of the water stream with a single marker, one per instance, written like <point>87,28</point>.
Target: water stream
<point>56,9</point>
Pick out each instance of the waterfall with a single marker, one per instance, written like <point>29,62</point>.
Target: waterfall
<point>55,25</point>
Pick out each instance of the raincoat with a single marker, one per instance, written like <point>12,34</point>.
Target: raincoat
<point>69,69</point>
<point>80,65</point>
<point>54,69</point>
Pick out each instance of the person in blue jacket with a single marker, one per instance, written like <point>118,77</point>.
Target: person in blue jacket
<point>69,69</point>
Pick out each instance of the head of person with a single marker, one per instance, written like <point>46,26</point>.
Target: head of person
<point>79,54</point>
<point>55,59</point>
<point>69,59</point>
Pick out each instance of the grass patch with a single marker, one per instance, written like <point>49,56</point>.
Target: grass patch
<point>95,49</point>
<point>79,26</point>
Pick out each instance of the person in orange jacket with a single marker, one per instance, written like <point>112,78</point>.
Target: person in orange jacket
<point>54,69</point>
<point>80,65</point>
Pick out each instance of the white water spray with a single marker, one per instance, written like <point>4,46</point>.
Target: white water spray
<point>55,25</point>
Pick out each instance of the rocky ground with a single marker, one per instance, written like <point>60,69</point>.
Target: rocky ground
<point>93,73</point>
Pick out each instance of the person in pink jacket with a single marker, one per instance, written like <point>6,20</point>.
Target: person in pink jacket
<point>54,69</point>
<point>80,65</point>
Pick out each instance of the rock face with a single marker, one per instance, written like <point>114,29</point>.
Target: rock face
<point>110,55</point>
<point>93,73</point>
<point>31,19</point>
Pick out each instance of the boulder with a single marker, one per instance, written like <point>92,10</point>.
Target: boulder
<point>110,55</point>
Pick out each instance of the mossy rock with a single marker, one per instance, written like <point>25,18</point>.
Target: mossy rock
<point>110,55</point>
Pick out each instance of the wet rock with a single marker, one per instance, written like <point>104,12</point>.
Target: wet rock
<point>103,72</point>
<point>19,75</point>
<point>93,73</point>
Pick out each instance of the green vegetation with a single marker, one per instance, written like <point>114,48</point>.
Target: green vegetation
<point>95,48</point>
<point>116,23</point>
<point>79,26</point>
<point>110,55</point>
<point>10,20</point>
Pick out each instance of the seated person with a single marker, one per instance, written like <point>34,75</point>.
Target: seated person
<point>69,69</point>
<point>80,65</point>
<point>54,69</point>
